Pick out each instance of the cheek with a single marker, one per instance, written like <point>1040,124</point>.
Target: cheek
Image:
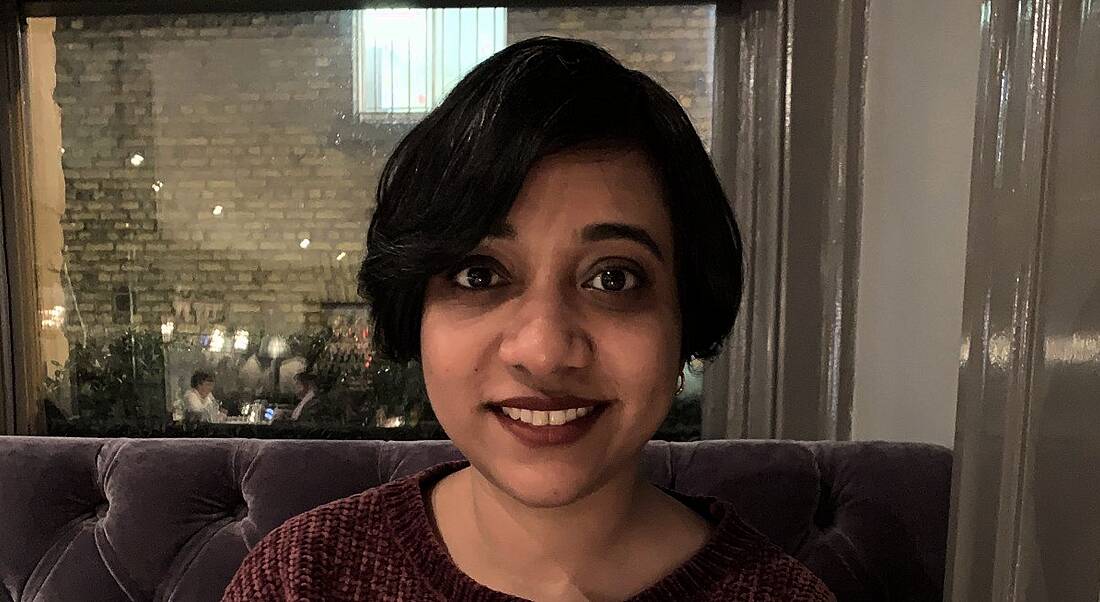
<point>449,355</point>
<point>642,358</point>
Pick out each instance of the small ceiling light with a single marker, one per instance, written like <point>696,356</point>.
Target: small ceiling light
<point>157,186</point>
<point>137,160</point>
<point>304,244</point>
<point>218,210</point>
<point>341,256</point>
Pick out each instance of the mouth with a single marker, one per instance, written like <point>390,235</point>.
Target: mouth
<point>545,417</point>
<point>544,422</point>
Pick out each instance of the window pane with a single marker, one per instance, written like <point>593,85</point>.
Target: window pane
<point>410,59</point>
<point>393,50</point>
<point>202,187</point>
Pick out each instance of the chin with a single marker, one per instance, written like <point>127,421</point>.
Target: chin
<point>544,483</point>
<point>552,476</point>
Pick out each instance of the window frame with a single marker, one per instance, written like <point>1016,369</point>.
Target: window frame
<point>814,100</point>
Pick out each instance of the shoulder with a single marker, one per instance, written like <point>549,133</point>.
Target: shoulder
<point>359,515</point>
<point>780,576</point>
<point>315,549</point>
<point>761,570</point>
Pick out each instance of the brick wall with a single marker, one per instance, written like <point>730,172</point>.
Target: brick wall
<point>673,44</point>
<point>253,113</point>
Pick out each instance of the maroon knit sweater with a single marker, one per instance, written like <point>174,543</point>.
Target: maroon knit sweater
<point>381,545</point>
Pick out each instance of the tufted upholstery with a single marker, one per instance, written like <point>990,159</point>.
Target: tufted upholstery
<point>171,519</point>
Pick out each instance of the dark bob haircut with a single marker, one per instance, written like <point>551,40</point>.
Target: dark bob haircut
<point>454,177</point>
<point>199,377</point>
<point>306,379</point>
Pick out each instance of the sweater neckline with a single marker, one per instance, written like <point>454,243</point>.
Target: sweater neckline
<point>729,545</point>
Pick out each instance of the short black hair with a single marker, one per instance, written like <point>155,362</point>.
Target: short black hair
<point>199,377</point>
<point>306,378</point>
<point>454,177</point>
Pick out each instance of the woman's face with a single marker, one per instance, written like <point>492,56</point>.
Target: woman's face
<point>573,305</point>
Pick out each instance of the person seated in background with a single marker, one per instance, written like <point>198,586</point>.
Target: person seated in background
<point>307,394</point>
<point>199,404</point>
<point>313,406</point>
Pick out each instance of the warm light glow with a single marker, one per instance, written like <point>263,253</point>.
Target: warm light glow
<point>53,317</point>
<point>217,341</point>
<point>157,186</point>
<point>304,244</point>
<point>136,160</point>
<point>218,210</point>
<point>341,256</point>
<point>392,422</point>
<point>1078,348</point>
<point>240,340</point>
<point>276,347</point>
<point>166,330</point>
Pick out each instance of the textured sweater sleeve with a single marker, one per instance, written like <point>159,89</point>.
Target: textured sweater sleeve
<point>260,578</point>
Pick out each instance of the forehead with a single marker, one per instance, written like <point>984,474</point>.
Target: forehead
<point>570,190</point>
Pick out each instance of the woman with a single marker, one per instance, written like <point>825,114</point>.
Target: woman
<point>198,403</point>
<point>552,244</point>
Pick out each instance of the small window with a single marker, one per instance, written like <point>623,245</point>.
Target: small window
<point>407,60</point>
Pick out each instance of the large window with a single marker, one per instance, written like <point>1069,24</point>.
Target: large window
<point>202,186</point>
<point>407,60</point>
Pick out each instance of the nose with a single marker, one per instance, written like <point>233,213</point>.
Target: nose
<point>545,336</point>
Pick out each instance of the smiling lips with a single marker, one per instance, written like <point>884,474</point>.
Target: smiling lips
<point>541,422</point>
<point>541,411</point>
<point>541,418</point>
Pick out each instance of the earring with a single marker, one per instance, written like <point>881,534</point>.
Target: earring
<point>680,383</point>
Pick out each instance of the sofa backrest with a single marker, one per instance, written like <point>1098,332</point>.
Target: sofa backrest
<point>171,519</point>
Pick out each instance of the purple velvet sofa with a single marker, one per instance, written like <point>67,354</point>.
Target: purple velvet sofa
<point>94,520</point>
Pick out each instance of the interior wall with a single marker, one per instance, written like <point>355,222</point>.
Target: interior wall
<point>922,69</point>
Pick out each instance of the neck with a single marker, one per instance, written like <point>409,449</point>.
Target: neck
<point>556,542</point>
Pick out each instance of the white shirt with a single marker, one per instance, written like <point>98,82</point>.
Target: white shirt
<point>297,413</point>
<point>206,408</point>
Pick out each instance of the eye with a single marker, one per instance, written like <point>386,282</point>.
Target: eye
<point>476,277</point>
<point>615,280</point>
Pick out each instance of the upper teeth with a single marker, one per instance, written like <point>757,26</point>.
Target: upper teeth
<point>541,418</point>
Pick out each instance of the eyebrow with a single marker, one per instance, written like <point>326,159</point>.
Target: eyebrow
<point>596,233</point>
<point>609,231</point>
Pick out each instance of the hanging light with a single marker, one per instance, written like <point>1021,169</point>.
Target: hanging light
<point>217,341</point>
<point>136,159</point>
<point>273,346</point>
<point>240,340</point>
